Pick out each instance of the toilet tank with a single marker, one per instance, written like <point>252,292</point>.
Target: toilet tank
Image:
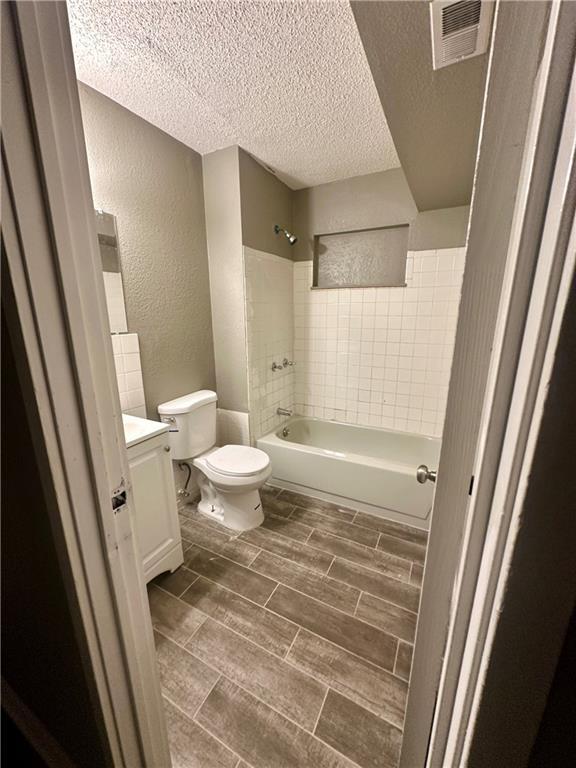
<point>192,422</point>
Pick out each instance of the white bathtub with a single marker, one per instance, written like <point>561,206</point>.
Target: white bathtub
<point>360,467</point>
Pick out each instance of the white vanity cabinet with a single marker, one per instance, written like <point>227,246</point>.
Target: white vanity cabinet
<point>154,495</point>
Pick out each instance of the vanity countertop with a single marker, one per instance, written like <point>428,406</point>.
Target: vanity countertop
<point>136,430</point>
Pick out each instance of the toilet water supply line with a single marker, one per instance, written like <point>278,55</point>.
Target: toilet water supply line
<point>184,492</point>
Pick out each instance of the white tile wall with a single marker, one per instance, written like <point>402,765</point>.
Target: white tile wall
<point>115,302</point>
<point>129,373</point>
<point>379,356</point>
<point>270,337</point>
<point>232,427</point>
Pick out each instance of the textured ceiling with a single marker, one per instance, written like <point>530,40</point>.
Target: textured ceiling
<point>287,81</point>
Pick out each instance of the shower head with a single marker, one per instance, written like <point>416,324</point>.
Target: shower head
<point>291,238</point>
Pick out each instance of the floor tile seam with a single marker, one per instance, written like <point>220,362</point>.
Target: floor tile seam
<point>348,760</point>
<point>300,626</point>
<point>329,515</point>
<point>290,538</point>
<point>320,710</point>
<point>211,687</point>
<point>389,602</point>
<point>380,717</point>
<point>320,551</point>
<point>405,525</point>
<point>214,667</point>
<point>291,646</point>
<point>344,613</point>
<point>370,549</point>
<point>258,553</point>
<point>396,659</point>
<point>223,557</point>
<point>377,573</point>
<point>261,701</point>
<point>390,672</point>
<point>289,662</point>
<point>195,631</point>
<point>388,632</point>
<point>385,600</point>
<point>340,536</point>
<point>338,645</point>
<point>370,708</point>
<point>271,594</point>
<point>239,594</point>
<point>403,540</point>
<point>411,560</point>
<point>206,731</point>
<point>325,576</point>
<point>285,717</point>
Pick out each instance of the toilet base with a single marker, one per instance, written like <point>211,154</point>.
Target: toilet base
<point>237,511</point>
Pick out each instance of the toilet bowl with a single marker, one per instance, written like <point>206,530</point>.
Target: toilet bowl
<point>230,477</point>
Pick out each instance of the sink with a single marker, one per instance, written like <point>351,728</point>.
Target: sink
<point>136,430</point>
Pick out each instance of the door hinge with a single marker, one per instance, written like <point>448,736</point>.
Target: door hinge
<point>471,486</point>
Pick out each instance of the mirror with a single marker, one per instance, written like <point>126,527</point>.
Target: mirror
<point>110,255</point>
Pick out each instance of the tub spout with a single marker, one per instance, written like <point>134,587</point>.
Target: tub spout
<point>284,412</point>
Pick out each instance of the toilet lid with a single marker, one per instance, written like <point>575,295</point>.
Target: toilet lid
<point>238,460</point>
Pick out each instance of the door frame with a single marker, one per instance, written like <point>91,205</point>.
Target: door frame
<point>61,312</point>
<point>525,339</point>
<point>56,313</point>
<point>553,280</point>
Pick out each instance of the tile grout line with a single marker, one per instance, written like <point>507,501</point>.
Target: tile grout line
<point>370,549</point>
<point>251,563</point>
<point>220,675</point>
<point>325,574</point>
<point>396,658</point>
<point>299,626</point>
<point>361,592</point>
<point>278,584</point>
<point>193,720</point>
<point>320,710</point>
<point>270,595</point>
<point>369,708</point>
<point>292,646</point>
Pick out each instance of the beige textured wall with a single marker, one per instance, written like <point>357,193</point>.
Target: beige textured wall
<point>153,185</point>
<point>265,201</point>
<point>375,200</point>
<point>224,233</point>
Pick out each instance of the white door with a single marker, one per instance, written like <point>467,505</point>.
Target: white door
<point>514,168</point>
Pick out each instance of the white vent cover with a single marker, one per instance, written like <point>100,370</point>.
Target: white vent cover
<point>460,29</point>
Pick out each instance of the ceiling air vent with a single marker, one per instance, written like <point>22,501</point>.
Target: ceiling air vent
<point>460,29</point>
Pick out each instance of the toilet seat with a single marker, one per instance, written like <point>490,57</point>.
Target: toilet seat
<point>238,460</point>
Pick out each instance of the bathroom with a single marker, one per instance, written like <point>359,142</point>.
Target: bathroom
<point>320,307</point>
<point>283,218</point>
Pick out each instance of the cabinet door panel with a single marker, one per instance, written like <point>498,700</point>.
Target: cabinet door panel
<point>154,500</point>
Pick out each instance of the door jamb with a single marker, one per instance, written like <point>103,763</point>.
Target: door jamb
<point>59,308</point>
<point>477,604</point>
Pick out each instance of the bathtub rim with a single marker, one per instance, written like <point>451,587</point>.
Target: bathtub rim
<point>275,438</point>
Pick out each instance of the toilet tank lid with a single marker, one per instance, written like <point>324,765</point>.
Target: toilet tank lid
<point>187,403</point>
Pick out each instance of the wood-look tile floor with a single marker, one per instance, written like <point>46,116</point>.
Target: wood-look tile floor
<point>289,645</point>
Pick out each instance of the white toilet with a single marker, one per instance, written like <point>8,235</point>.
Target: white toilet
<point>229,477</point>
